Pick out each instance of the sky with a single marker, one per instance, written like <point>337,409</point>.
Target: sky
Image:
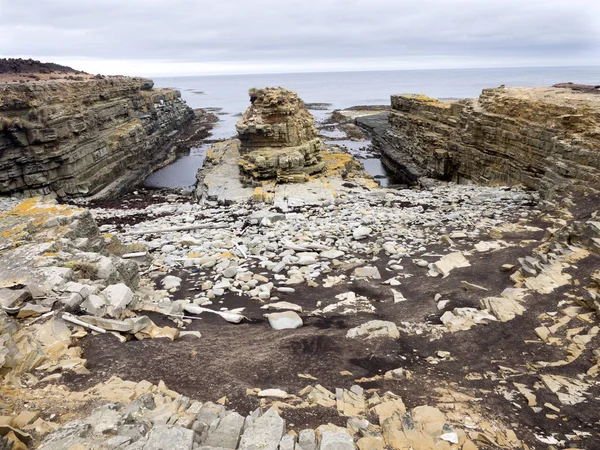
<point>185,37</point>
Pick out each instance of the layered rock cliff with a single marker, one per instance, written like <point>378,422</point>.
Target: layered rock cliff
<point>278,138</point>
<point>77,138</point>
<point>542,138</point>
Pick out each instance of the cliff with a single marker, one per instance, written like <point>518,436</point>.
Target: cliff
<point>77,138</point>
<point>278,138</point>
<point>542,138</point>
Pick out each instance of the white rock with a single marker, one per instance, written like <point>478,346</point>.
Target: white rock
<point>449,262</point>
<point>361,233</point>
<point>264,433</point>
<point>332,254</point>
<point>450,437</point>
<point>171,282</point>
<point>367,272</point>
<point>288,290</point>
<point>169,248</point>
<point>230,272</point>
<point>374,329</point>
<point>398,297</point>
<point>272,393</point>
<point>283,306</point>
<point>118,297</point>
<point>306,260</point>
<point>336,441</point>
<point>94,305</point>
<point>284,320</point>
<point>162,437</point>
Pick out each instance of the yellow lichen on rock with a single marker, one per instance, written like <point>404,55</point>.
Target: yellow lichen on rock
<point>31,212</point>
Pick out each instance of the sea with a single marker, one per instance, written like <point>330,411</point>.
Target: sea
<point>227,96</point>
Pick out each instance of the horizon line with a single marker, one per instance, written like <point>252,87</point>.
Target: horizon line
<point>367,70</point>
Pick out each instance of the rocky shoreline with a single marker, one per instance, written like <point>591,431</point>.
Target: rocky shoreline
<point>541,138</point>
<point>94,137</point>
<point>325,314</point>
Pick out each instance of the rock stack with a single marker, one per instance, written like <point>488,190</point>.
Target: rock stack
<point>278,137</point>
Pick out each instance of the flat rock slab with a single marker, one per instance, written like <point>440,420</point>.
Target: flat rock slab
<point>227,433</point>
<point>265,433</point>
<point>163,437</point>
<point>374,329</point>
<point>222,180</point>
<point>221,183</point>
<point>336,441</point>
<point>312,193</point>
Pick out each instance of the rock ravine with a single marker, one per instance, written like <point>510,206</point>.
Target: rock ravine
<point>327,314</point>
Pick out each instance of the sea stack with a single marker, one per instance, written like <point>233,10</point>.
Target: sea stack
<point>279,141</point>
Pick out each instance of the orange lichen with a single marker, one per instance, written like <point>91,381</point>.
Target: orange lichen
<point>335,163</point>
<point>32,211</point>
<point>429,100</point>
<point>35,206</point>
<point>263,194</point>
<point>369,183</point>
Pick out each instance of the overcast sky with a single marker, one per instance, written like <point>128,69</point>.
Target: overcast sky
<point>185,37</point>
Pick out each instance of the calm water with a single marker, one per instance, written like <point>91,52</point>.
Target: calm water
<point>341,90</point>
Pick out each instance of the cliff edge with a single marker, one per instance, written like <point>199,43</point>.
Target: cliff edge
<point>544,138</point>
<point>71,138</point>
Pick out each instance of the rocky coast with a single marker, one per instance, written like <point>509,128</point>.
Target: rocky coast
<point>292,303</point>
<point>543,138</point>
<point>85,136</point>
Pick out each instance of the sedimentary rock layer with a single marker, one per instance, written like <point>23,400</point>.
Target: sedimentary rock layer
<point>278,138</point>
<point>75,138</point>
<point>542,138</point>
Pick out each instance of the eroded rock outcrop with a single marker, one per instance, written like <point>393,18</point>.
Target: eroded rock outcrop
<point>542,138</point>
<point>76,138</point>
<point>278,138</point>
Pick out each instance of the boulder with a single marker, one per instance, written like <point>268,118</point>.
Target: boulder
<point>361,233</point>
<point>118,297</point>
<point>163,437</point>
<point>265,433</point>
<point>367,272</point>
<point>374,329</point>
<point>307,440</point>
<point>284,320</point>
<point>336,441</point>
<point>227,432</point>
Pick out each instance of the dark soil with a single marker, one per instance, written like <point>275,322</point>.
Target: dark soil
<point>18,65</point>
<point>584,88</point>
<point>228,358</point>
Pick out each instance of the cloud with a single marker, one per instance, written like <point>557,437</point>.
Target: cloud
<point>171,36</point>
